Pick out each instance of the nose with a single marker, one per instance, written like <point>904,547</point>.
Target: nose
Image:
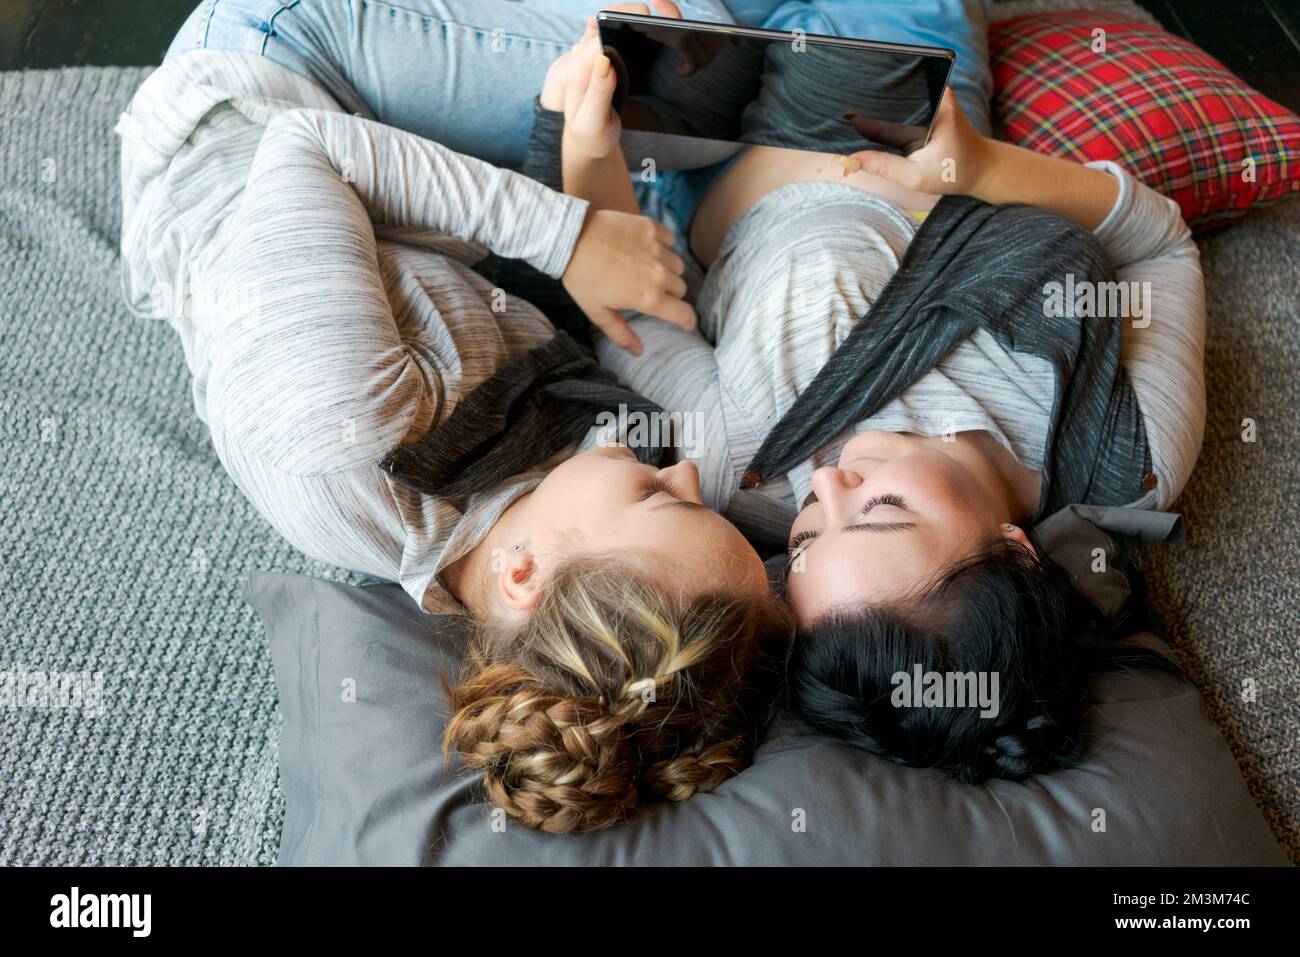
<point>833,486</point>
<point>685,478</point>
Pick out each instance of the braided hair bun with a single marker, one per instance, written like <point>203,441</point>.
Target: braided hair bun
<point>613,695</point>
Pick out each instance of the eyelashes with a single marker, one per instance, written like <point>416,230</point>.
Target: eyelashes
<point>889,498</point>
<point>658,485</point>
<point>799,540</point>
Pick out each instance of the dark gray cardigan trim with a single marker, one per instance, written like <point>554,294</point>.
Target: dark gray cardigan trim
<point>976,266</point>
<point>533,407</point>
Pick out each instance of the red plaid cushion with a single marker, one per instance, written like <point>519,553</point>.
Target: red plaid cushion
<point>1171,115</point>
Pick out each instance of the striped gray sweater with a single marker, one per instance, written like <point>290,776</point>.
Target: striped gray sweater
<point>316,267</point>
<point>806,262</point>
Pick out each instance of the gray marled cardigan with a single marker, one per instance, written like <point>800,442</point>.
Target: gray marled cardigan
<point>971,265</point>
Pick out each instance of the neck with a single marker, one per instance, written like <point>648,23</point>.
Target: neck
<point>471,578</point>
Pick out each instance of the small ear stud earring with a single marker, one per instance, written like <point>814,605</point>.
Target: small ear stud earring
<point>519,547</point>
<point>1009,528</point>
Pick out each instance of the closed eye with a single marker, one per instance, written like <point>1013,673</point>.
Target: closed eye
<point>889,498</point>
<point>657,485</point>
<point>799,540</point>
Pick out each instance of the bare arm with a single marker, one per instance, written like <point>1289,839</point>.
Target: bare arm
<point>601,181</point>
<point>580,85</point>
<point>959,160</point>
<point>1013,174</point>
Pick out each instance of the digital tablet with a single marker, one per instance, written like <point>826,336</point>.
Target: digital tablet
<point>735,84</point>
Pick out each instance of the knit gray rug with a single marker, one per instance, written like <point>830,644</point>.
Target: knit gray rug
<point>124,547</point>
<point>1231,594</point>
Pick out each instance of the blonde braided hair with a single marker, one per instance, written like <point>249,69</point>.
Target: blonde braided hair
<point>613,694</point>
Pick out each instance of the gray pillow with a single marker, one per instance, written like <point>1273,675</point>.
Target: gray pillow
<point>365,782</point>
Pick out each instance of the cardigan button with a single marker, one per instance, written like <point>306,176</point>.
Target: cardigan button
<point>1150,481</point>
<point>752,479</point>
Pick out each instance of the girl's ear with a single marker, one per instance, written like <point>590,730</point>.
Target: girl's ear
<point>519,580</point>
<point>1017,534</point>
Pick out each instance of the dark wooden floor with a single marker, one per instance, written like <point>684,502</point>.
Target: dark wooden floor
<point>1258,39</point>
<point>46,33</point>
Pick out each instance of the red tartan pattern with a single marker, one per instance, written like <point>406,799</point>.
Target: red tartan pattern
<point>1158,105</point>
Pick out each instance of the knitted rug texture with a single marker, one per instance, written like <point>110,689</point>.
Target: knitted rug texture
<point>124,548</point>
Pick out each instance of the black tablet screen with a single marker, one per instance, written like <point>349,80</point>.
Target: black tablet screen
<point>786,90</point>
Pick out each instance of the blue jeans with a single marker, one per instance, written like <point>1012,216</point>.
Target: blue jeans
<point>462,72</point>
<point>465,72</point>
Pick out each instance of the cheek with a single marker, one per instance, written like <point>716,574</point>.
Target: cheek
<point>600,484</point>
<point>583,499</point>
<point>945,482</point>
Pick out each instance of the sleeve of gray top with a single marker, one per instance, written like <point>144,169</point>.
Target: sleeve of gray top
<point>542,163</point>
<point>543,160</point>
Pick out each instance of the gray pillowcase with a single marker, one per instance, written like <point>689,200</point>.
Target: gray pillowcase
<point>365,782</point>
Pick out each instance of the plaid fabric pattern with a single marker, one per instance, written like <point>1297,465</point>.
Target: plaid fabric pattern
<point>1170,114</point>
